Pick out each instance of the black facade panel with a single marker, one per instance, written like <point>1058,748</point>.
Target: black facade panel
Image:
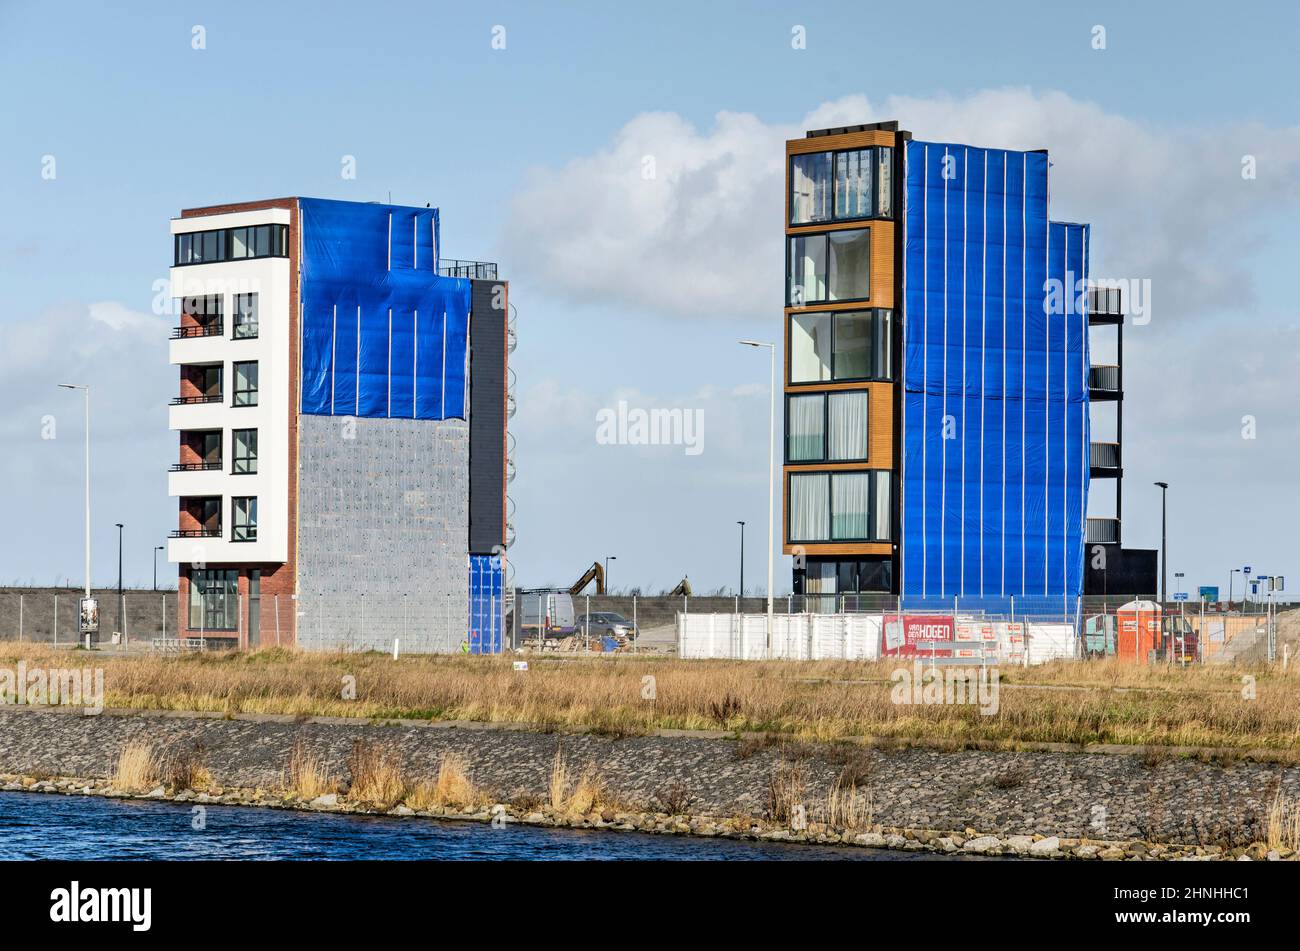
<point>487,416</point>
<point>1126,571</point>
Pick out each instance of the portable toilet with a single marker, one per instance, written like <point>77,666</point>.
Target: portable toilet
<point>1139,630</point>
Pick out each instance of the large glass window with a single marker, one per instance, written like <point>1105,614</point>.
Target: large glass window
<point>849,263</point>
<point>245,519</point>
<point>844,346</point>
<point>810,188</point>
<point>245,458</point>
<point>826,267</point>
<point>807,278</point>
<point>245,316</point>
<point>226,244</point>
<point>841,186</point>
<point>806,428</point>
<point>840,506</point>
<point>208,447</point>
<point>847,424</point>
<point>810,348</point>
<point>214,600</point>
<point>245,383</point>
<point>809,508</point>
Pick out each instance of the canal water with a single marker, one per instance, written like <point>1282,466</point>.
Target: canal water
<point>53,826</point>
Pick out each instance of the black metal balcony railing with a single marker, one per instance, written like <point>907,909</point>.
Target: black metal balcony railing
<point>475,270</point>
<point>194,466</point>
<point>212,328</point>
<point>196,532</point>
<point>190,400</point>
<point>1104,301</point>
<point>1103,531</point>
<point>1104,378</point>
<point>1103,455</point>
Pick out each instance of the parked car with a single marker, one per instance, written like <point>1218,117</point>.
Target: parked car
<point>606,622</point>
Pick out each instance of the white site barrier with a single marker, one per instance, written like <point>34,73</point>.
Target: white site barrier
<point>854,636</point>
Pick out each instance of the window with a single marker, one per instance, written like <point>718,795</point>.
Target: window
<point>214,600</point>
<point>245,383</point>
<point>829,267</point>
<point>809,508</point>
<point>840,506</point>
<point>245,459</point>
<point>827,427</point>
<point>227,244</point>
<point>245,316</point>
<point>810,188</point>
<point>207,379</point>
<point>806,428</point>
<point>841,186</point>
<point>208,447</point>
<point>245,519</point>
<point>845,346</point>
<point>847,424</point>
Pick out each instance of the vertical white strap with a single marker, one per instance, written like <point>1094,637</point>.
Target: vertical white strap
<point>965,249</point>
<point>390,361</point>
<point>442,406</point>
<point>925,367</point>
<point>943,442</point>
<point>334,353</point>
<point>415,242</point>
<point>984,335</point>
<point>415,361</point>
<point>390,241</point>
<point>1024,345</point>
<point>357,403</point>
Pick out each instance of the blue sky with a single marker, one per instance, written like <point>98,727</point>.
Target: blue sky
<point>611,305</point>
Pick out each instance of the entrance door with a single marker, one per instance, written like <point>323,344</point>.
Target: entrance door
<point>254,609</point>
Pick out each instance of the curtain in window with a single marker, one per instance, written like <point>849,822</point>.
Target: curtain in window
<point>883,368</point>
<point>853,184</point>
<point>851,505</point>
<point>885,181</point>
<point>848,426</point>
<point>810,348</point>
<point>809,508</point>
<point>849,266</point>
<point>807,278</point>
<point>806,439</point>
<point>882,506</point>
<point>810,187</point>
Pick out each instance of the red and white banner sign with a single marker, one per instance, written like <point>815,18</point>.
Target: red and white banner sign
<point>911,635</point>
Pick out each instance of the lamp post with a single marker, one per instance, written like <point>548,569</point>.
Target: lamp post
<point>86,390</point>
<point>121,606</point>
<point>157,549</point>
<point>742,557</point>
<point>1230,574</point>
<point>771,481</point>
<point>1164,545</point>
<point>608,559</point>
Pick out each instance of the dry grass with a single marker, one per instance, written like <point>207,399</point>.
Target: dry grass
<point>137,767</point>
<point>558,789</point>
<point>847,808</point>
<point>787,790</point>
<point>181,767</point>
<point>451,789</point>
<point>1102,701</point>
<point>1284,824</point>
<point>378,776</point>
<point>308,776</point>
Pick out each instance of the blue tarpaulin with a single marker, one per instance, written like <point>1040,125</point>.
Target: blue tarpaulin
<point>995,401</point>
<point>383,335</point>
<point>486,614</point>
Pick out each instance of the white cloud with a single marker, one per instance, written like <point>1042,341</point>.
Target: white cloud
<point>702,238</point>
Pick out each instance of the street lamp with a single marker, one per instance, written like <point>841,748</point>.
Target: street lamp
<point>157,549</point>
<point>1164,545</point>
<point>1234,571</point>
<point>86,390</point>
<point>771,481</point>
<point>742,557</point>
<point>608,559</point>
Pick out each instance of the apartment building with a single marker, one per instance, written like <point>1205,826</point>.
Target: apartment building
<point>937,378</point>
<point>341,413</point>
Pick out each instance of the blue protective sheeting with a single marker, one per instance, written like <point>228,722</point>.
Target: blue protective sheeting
<point>383,335</point>
<point>995,436</point>
<point>486,609</point>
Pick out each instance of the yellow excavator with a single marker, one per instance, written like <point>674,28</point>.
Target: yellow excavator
<point>683,588</point>
<point>595,573</point>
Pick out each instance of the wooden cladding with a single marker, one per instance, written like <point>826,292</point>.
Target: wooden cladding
<point>831,143</point>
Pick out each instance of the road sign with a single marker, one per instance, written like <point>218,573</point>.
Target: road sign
<point>1180,596</point>
<point>1246,570</point>
<point>1209,592</point>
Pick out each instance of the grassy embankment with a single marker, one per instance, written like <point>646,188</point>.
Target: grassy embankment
<point>1077,702</point>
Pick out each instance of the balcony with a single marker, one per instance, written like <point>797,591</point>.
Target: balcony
<point>209,532</point>
<point>1103,531</point>
<point>212,328</point>
<point>1105,305</point>
<point>195,466</point>
<point>474,270</point>
<point>1103,459</point>
<point>194,400</point>
<point>1103,382</point>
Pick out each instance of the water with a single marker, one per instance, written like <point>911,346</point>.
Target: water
<point>53,826</point>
